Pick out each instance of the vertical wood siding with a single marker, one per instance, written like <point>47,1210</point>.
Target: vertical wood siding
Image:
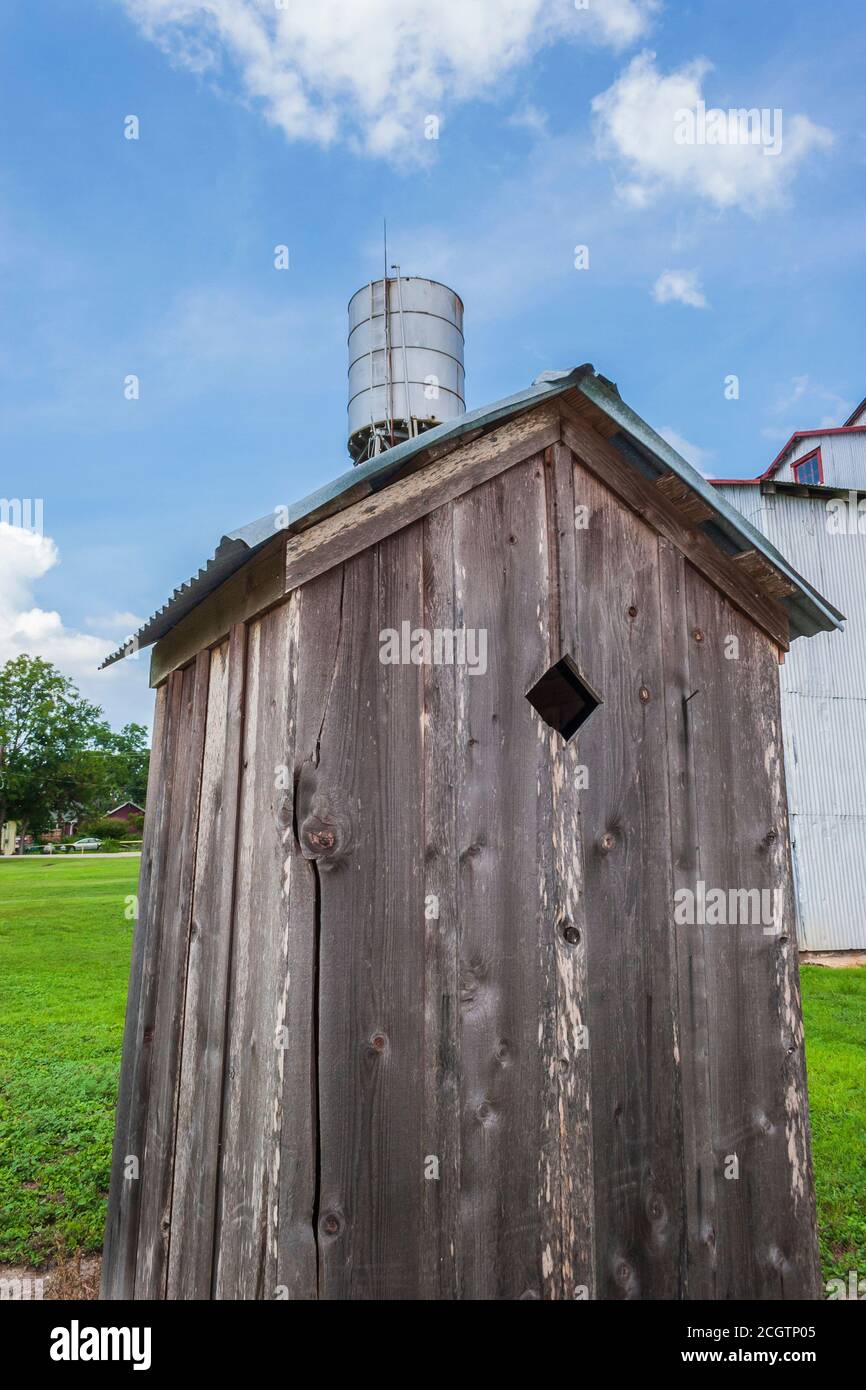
<point>207,982</point>
<point>363,1059</point>
<point>625,822</point>
<point>266,1131</point>
<point>509,1238</point>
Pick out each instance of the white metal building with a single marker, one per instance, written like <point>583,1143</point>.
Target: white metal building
<point>811,504</point>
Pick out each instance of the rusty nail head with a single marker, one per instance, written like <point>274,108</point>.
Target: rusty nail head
<point>378,1041</point>
<point>632,612</point>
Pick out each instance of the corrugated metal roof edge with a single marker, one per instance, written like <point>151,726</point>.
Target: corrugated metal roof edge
<point>809,612</point>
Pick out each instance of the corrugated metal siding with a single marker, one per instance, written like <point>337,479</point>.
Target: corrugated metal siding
<point>829,895</point>
<point>844,457</point>
<point>826,751</point>
<point>824,709</point>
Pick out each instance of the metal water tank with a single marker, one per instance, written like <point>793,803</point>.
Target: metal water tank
<point>405,361</point>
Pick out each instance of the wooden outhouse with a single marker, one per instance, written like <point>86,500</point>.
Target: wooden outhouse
<point>465,964</point>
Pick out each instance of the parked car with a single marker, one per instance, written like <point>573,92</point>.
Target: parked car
<point>87,843</point>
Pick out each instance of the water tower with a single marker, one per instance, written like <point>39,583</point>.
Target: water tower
<point>405,361</point>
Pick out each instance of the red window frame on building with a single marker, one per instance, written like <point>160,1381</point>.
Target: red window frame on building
<point>807,458</point>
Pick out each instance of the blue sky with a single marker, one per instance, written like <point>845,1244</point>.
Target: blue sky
<point>261,126</point>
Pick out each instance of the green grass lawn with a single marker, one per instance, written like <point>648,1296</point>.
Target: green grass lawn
<point>64,959</point>
<point>834,1006</point>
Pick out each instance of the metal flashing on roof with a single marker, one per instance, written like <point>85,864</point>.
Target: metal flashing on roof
<point>808,611</point>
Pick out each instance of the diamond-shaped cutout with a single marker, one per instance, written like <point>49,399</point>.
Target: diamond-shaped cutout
<point>563,698</point>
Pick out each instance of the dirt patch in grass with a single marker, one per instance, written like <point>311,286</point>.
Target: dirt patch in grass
<point>70,1278</point>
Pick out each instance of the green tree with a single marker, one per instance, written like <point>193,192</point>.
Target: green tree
<point>57,753</point>
<point>130,760</point>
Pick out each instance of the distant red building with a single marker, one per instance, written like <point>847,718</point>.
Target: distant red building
<point>125,811</point>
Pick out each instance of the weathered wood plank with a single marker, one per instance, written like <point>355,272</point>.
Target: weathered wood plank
<point>202,1061</point>
<point>644,498</point>
<point>320,627</point>
<point>764,574</point>
<point>440,1271</point>
<point>691,507</point>
<point>626,840</point>
<point>571,1063</point>
<point>165,1023</point>
<point>338,538</point>
<point>760,1135</point>
<point>270,941</point>
<point>796,1236</point>
<point>361,821</point>
<point>121,1231</point>
<point>255,587</point>
<point>510,1232</point>
<point>297,1254</point>
<point>691,981</point>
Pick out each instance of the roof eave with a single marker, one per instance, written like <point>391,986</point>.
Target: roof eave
<point>808,611</point>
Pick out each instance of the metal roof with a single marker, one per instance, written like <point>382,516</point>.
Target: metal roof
<point>808,611</point>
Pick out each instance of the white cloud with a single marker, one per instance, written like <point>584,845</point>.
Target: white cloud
<point>25,559</point>
<point>680,286</point>
<point>692,453</point>
<point>636,127</point>
<point>622,22</point>
<point>530,118</point>
<point>370,70</point>
<point>808,398</point>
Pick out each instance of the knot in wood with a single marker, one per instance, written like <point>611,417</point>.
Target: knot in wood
<point>331,1224</point>
<point>324,819</point>
<point>319,839</point>
<point>655,1208</point>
